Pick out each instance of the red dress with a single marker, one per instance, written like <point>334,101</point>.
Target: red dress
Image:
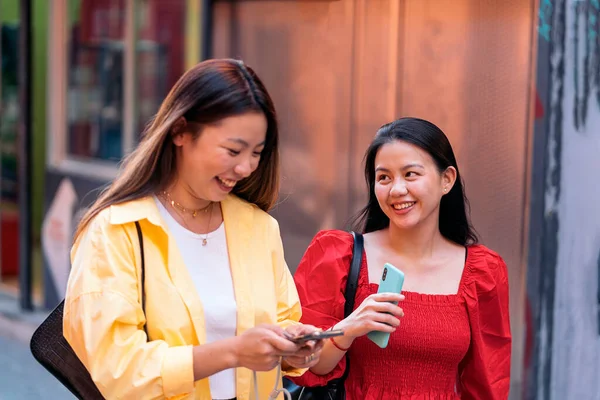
<point>446,347</point>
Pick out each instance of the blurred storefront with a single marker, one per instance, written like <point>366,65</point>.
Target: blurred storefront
<point>9,118</point>
<point>22,145</point>
<point>112,62</point>
<point>337,71</point>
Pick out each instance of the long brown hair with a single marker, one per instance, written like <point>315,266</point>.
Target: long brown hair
<point>207,93</point>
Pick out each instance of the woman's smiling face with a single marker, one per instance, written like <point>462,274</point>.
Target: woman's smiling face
<point>408,184</point>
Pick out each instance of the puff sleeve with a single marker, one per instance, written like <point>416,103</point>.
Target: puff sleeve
<point>321,280</point>
<point>484,373</point>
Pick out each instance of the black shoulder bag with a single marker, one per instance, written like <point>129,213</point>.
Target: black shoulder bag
<point>334,390</point>
<point>51,349</point>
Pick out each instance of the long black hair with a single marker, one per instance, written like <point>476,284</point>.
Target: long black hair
<point>454,207</point>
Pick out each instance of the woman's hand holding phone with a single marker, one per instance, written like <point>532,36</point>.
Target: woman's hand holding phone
<point>261,348</point>
<point>376,313</point>
<point>309,352</point>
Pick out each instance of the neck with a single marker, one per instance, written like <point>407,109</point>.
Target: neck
<point>417,243</point>
<point>186,197</point>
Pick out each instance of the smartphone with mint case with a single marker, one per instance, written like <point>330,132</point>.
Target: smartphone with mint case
<point>391,281</point>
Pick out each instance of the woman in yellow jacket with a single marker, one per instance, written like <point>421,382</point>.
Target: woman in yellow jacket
<point>219,299</point>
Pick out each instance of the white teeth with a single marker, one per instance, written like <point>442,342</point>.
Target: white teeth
<point>227,182</point>
<point>403,205</point>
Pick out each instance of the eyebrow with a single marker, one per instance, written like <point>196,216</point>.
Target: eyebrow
<point>408,166</point>
<point>413,165</point>
<point>244,143</point>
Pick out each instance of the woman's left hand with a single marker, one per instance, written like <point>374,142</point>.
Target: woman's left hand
<point>308,355</point>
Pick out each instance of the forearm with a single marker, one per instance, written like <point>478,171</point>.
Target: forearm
<point>331,355</point>
<point>214,357</point>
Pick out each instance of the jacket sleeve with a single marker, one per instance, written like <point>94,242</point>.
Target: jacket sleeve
<point>103,321</point>
<point>485,371</point>
<point>288,303</point>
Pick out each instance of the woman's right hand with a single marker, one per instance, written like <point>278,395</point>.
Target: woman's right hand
<point>376,313</point>
<point>261,348</point>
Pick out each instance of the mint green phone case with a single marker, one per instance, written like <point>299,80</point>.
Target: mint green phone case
<point>391,281</point>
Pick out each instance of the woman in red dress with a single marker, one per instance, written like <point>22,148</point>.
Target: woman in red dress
<point>450,335</point>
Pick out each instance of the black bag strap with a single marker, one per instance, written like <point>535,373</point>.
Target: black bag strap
<point>350,294</point>
<point>143,277</point>
<point>353,272</point>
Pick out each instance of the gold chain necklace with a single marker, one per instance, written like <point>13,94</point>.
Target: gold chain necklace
<point>177,207</point>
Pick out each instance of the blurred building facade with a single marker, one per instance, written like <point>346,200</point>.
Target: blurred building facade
<point>484,71</point>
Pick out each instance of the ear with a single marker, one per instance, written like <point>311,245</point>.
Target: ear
<point>448,179</point>
<point>178,131</point>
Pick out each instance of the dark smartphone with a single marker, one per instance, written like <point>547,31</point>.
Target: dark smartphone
<point>319,335</point>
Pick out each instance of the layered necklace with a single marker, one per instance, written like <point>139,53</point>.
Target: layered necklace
<point>181,209</point>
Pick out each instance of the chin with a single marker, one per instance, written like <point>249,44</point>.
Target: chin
<point>404,223</point>
<point>220,195</point>
<point>404,226</point>
<point>217,197</point>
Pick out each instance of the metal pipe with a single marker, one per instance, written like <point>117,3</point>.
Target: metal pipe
<point>24,152</point>
<point>207,23</point>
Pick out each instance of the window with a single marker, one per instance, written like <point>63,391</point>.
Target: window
<point>120,60</point>
<point>95,77</point>
<point>160,53</point>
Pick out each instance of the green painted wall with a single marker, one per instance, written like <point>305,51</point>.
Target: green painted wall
<point>9,11</point>
<point>74,10</point>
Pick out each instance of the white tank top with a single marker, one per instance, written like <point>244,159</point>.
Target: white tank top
<point>210,271</point>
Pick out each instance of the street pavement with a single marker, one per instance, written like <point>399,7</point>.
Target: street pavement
<point>22,377</point>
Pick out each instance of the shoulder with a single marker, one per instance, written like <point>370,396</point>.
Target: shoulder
<point>334,239</point>
<point>101,229</point>
<point>101,224</point>
<point>116,222</point>
<point>329,247</point>
<point>486,267</point>
<point>327,257</point>
<point>103,218</point>
<point>244,208</point>
<point>486,259</point>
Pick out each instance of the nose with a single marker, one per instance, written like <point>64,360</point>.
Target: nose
<point>244,168</point>
<point>398,188</point>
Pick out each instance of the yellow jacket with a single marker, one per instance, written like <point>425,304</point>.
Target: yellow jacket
<point>104,320</point>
